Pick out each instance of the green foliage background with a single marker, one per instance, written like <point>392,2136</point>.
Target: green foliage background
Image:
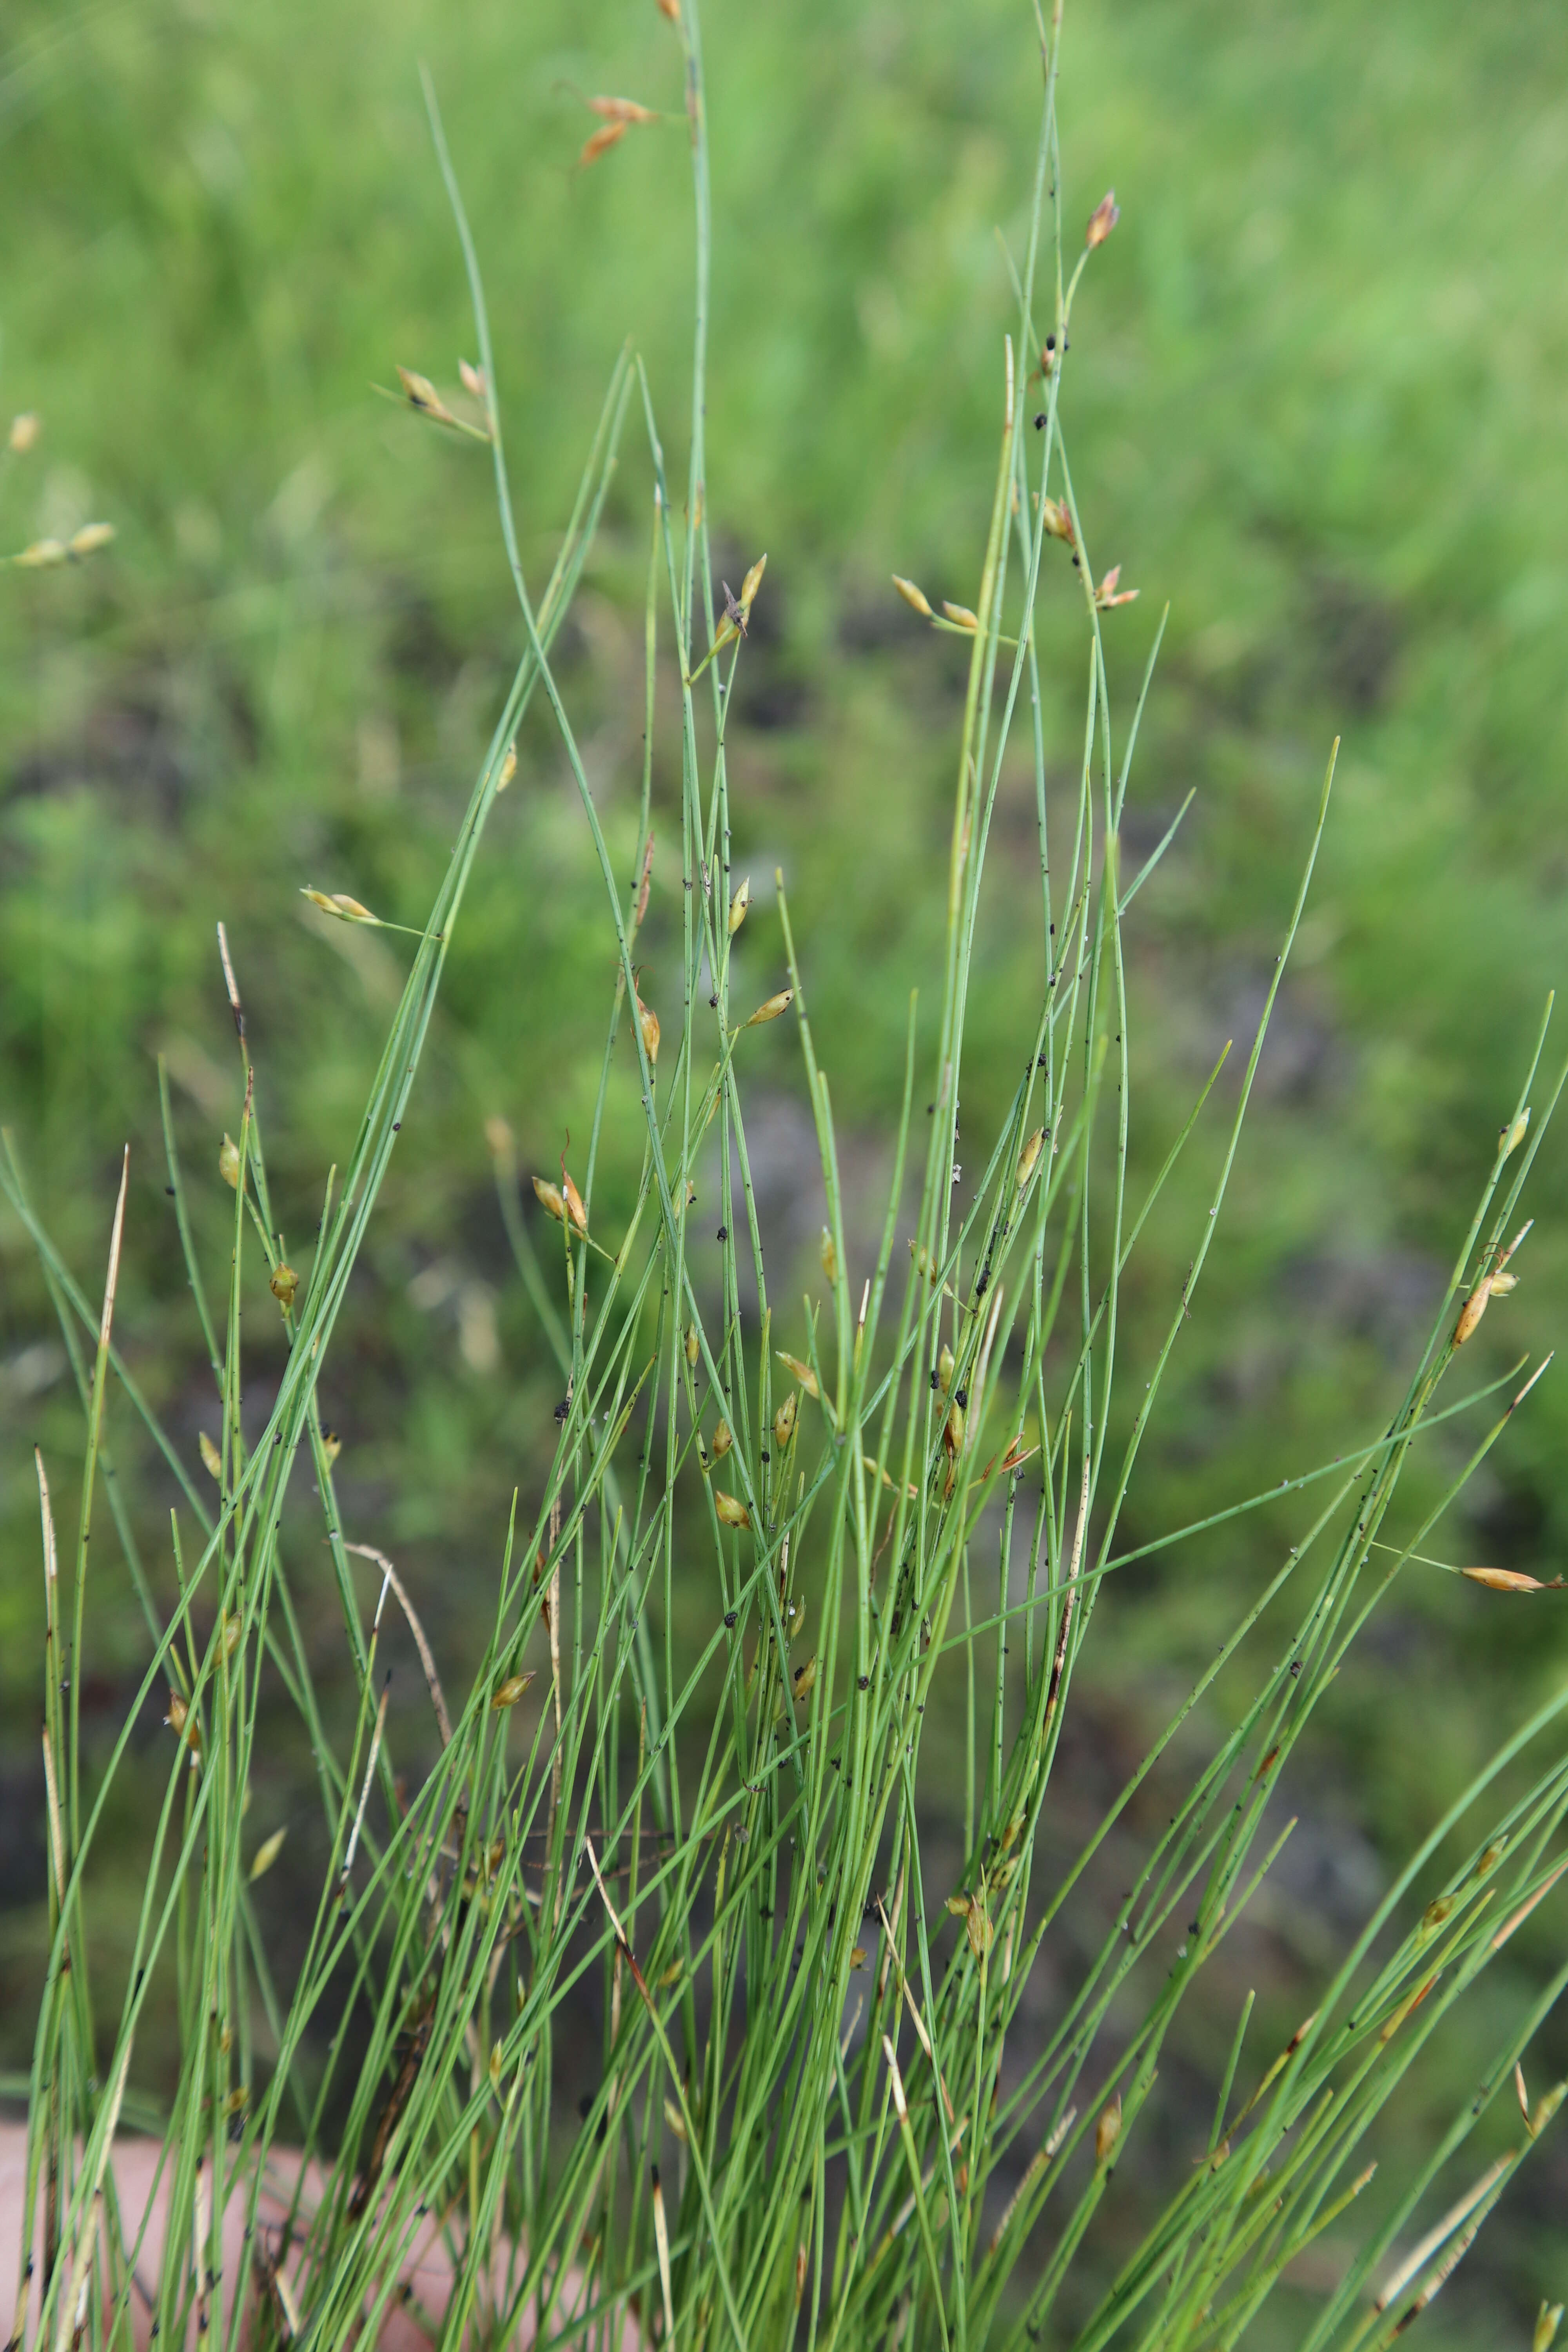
<point>1316,404</point>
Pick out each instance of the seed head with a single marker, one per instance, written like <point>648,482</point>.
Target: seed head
<point>1057,522</point>
<point>573,1201</point>
<point>670,8</point>
<point>622,109</point>
<point>914,597</point>
<point>722,1441</point>
<point>1512,1136</point>
<point>1108,2130</point>
<point>472,380</point>
<point>212,1459</point>
<point>952,1431</point>
<point>42,556</point>
<point>770,1010</point>
<point>1029,1156</point>
<point>1102,219</point>
<point>1504,1579</point>
<point>961,616</point>
<point>421,395</point>
<point>228,1161</point>
<point>285,1282</point>
<point>738,905</point>
<point>693,1345</point>
<point>339,903</point>
<point>89,539</point>
<point>550,1199</point>
<point>1107,595</point>
<point>1473,1308</point>
<point>802,1372</point>
<point>266,1854</point>
<point>829,1256</point>
<point>507,1692</point>
<point>331,1445</point>
<point>24,432</point>
<point>507,769</point>
<point>647,1020</point>
<point>605,137</point>
<point>944,1368</point>
<point>805,1681</point>
<point>732,1512</point>
<point>784,1421</point>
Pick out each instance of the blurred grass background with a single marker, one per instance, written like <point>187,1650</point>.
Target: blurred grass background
<point>1314,400</point>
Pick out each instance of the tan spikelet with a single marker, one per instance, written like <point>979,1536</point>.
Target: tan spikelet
<point>608,135</point>
<point>802,1372</point>
<point>914,597</point>
<point>770,1010</point>
<point>732,1512</point>
<point>550,1199</point>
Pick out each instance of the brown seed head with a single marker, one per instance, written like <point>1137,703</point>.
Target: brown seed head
<point>1102,219</point>
<point>550,1199</point>
<point>573,1201</point>
<point>1504,1579</point>
<point>421,395</point>
<point>1473,1308</point>
<point>1057,522</point>
<point>622,109</point>
<point>605,137</point>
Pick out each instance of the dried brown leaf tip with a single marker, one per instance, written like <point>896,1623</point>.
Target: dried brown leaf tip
<point>1102,219</point>
<point>1107,595</point>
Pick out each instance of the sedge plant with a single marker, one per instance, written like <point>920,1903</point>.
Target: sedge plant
<point>817,2121</point>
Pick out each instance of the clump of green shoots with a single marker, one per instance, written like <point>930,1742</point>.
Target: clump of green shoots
<point>805,2131</point>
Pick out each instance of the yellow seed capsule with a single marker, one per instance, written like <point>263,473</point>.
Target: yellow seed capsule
<point>228,1162</point>
<point>738,905</point>
<point>574,1200</point>
<point>783,1422</point>
<point>648,1021</point>
<point>24,433</point>
<point>952,1431</point>
<point>732,1512</point>
<point>233,1627</point>
<point>508,768</point>
<point>772,1009</point>
<point>1504,1579</point>
<point>1108,2130</point>
<point>507,1692</point>
<point>212,1459</point>
<point>1029,1156</point>
<point>795,1618</point>
<point>1548,2320</point>
<point>961,616</point>
<point>550,1199</point>
<point>829,1254</point>
<point>693,1345</point>
<point>43,554</point>
<point>285,1282</point>
<point>676,2120</point>
<point>802,1372</point>
<point>1503,1282</point>
<point>472,380</point>
<point>1473,1308</point>
<point>421,395</point>
<point>944,1368</point>
<point>805,1681</point>
<point>722,1441</point>
<point>266,1854</point>
<point>89,539</point>
<point>914,597</point>
<point>622,109</point>
<point>184,1724</point>
<point>331,1445</point>
<point>1057,522</point>
<point>752,582</point>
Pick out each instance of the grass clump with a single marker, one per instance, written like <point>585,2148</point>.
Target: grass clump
<point>819,2115</point>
